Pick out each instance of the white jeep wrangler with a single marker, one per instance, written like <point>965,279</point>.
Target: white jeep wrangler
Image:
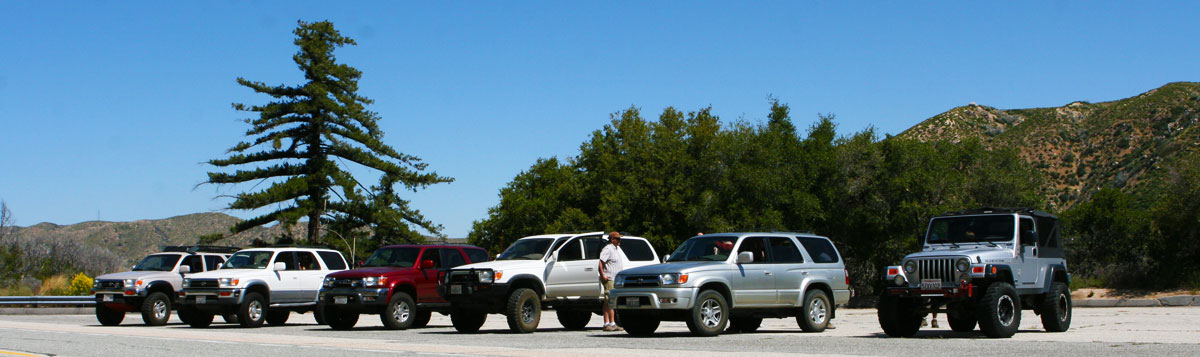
<point>554,271</point>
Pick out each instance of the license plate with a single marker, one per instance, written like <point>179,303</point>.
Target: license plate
<point>106,298</point>
<point>456,289</point>
<point>931,284</point>
<point>200,299</point>
<point>633,302</point>
<point>341,300</point>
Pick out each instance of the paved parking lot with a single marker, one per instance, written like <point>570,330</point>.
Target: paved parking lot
<point>1095,331</point>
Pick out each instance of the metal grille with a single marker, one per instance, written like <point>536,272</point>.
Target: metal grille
<point>347,283</point>
<point>463,277</point>
<point>204,283</point>
<point>641,281</point>
<point>937,268</point>
<point>112,284</point>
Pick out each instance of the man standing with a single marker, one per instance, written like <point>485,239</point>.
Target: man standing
<point>612,261</point>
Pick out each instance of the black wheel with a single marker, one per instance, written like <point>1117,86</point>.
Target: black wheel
<point>999,311</point>
<point>637,324</point>
<point>961,322</point>
<point>814,315</point>
<point>898,316</point>
<point>278,318</point>
<point>253,310</point>
<point>467,321</point>
<point>229,318</point>
<point>422,319</point>
<point>319,314</point>
<point>107,316</point>
<point>400,312</point>
<point>340,320</point>
<point>156,309</point>
<point>744,324</point>
<point>1055,308</point>
<point>524,310</point>
<point>710,314</point>
<point>573,319</point>
<point>195,318</point>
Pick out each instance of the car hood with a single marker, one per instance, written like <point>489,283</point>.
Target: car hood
<point>230,273</point>
<point>505,265</point>
<point>136,275</point>
<point>983,251</point>
<point>373,271</point>
<point>677,267</point>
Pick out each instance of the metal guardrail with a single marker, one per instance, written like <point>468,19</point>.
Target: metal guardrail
<point>41,301</point>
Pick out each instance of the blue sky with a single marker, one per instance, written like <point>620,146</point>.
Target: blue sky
<point>108,110</point>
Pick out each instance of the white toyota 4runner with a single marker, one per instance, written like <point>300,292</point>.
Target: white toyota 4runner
<point>151,285</point>
<point>259,284</point>
<point>553,271</point>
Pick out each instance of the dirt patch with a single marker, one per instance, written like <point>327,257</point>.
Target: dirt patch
<point>1092,293</point>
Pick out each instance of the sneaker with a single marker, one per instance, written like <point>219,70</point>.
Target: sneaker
<point>618,328</point>
<point>829,326</point>
<point>610,328</point>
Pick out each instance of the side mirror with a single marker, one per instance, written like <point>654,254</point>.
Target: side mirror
<point>554,256</point>
<point>497,256</point>
<point>745,257</point>
<point>184,269</point>
<point>426,264</point>
<point>665,257</point>
<point>279,266</point>
<point>1029,238</point>
<point>360,263</point>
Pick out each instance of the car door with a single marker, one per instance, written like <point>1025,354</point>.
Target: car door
<point>571,274</point>
<point>427,278</point>
<point>287,281</point>
<point>753,282</point>
<point>789,268</point>
<point>1027,274</point>
<point>309,277</point>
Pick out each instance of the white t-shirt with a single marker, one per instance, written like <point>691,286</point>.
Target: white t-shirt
<point>613,259</point>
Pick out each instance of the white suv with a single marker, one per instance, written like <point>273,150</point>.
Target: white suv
<point>259,284</point>
<point>556,271</point>
<point>150,286</point>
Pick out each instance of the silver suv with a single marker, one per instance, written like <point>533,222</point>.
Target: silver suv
<point>981,266</point>
<point>735,279</point>
<point>150,287</point>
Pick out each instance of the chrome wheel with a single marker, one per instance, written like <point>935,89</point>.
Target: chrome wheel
<point>160,309</point>
<point>402,312</point>
<point>255,310</point>
<point>1005,310</point>
<point>710,313</point>
<point>817,311</point>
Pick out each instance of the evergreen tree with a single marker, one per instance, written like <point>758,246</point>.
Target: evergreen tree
<point>298,140</point>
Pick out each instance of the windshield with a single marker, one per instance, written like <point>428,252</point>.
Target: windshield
<point>968,229</point>
<point>158,262</point>
<point>393,257</point>
<point>527,249</point>
<point>704,248</point>
<point>248,260</point>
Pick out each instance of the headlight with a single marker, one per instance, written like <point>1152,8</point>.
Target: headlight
<point>228,282</point>
<point>962,265</point>
<point>619,281</point>
<point>374,281</point>
<point>488,276</point>
<point>96,284</point>
<point>910,266</point>
<point>328,282</point>
<point>900,281</point>
<point>672,278</point>
<point>132,283</point>
<point>187,282</point>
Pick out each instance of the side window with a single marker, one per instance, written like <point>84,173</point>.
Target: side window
<point>819,249</point>
<point>1026,225</point>
<point>195,262</point>
<point>756,246</point>
<point>212,262</point>
<point>1047,235</point>
<point>452,257</point>
<point>288,259</point>
<point>434,255</point>
<point>592,247</point>
<point>636,250</point>
<point>476,255</point>
<point>307,261</point>
<point>332,260</point>
<point>784,250</point>
<point>571,251</point>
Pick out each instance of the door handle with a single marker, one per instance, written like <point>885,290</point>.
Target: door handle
<point>767,273</point>
<point>588,269</point>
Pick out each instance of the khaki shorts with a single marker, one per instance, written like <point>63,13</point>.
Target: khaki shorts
<point>608,286</point>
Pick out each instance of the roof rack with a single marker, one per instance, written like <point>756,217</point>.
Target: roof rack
<point>986,210</point>
<point>201,248</point>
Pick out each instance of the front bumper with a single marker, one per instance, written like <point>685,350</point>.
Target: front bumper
<point>653,298</point>
<point>212,299</point>
<point>471,295</point>
<point>962,291</point>
<point>362,300</point>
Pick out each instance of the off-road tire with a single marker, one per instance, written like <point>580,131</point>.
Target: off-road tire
<point>898,316</point>
<point>964,322</point>
<point>319,314</point>
<point>573,319</point>
<point>999,311</point>
<point>467,321</point>
<point>107,316</point>
<point>156,309</point>
<point>422,318</point>
<point>744,324</point>
<point>278,317</point>
<point>340,320</point>
<point>400,312</point>
<point>524,310</point>
<point>709,316</point>
<point>253,310</point>
<point>1055,307</point>
<point>814,314</point>
<point>229,318</point>
<point>637,324</point>
<point>195,318</point>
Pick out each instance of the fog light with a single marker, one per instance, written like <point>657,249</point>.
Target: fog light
<point>368,298</point>
<point>667,300</point>
<point>899,280</point>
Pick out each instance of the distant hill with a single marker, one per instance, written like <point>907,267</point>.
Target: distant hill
<point>1082,147</point>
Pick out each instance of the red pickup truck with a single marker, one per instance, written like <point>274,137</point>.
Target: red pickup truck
<point>398,282</point>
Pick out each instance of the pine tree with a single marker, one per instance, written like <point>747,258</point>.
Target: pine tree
<point>297,142</point>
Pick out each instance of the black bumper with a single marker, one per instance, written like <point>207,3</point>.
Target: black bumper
<point>476,296</point>
<point>368,301</point>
